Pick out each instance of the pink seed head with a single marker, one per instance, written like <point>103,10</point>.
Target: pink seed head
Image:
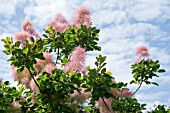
<point>77,60</point>
<point>83,11</point>
<point>16,105</point>
<point>143,51</point>
<point>28,27</point>
<point>21,36</point>
<point>102,107</point>
<point>82,17</point>
<point>50,67</point>
<point>33,85</point>
<point>15,75</point>
<point>60,18</point>
<point>125,93</point>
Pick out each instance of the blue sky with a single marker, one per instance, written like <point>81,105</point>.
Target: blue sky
<point>124,25</point>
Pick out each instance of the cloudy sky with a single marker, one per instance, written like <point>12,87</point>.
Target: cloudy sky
<point>124,25</point>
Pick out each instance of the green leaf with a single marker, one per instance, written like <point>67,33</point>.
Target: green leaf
<point>17,44</point>
<point>147,82</point>
<point>7,52</point>
<point>96,63</point>
<point>3,40</point>
<point>32,69</point>
<point>71,73</point>
<point>88,108</point>
<point>65,60</point>
<point>131,82</point>
<point>40,56</point>
<point>19,71</point>
<point>103,70</point>
<point>25,51</point>
<point>6,82</point>
<point>161,70</point>
<point>155,83</point>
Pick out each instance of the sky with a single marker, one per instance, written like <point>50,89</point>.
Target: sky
<point>124,25</point>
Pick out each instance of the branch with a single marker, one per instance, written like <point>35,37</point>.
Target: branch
<point>48,95</point>
<point>138,87</point>
<point>35,81</point>
<point>105,104</point>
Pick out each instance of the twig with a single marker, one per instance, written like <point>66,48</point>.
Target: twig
<point>48,95</point>
<point>35,81</point>
<point>138,87</point>
<point>106,104</point>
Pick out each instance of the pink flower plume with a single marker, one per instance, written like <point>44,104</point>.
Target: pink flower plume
<point>29,28</point>
<point>16,105</point>
<point>77,60</point>
<point>50,67</point>
<point>125,93</point>
<point>102,107</point>
<point>142,53</point>
<point>33,85</point>
<point>80,97</point>
<point>60,24</point>
<point>41,63</point>
<point>21,36</point>
<point>82,17</point>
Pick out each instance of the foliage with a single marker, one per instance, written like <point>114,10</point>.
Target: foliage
<point>160,109</point>
<point>129,105</point>
<point>65,84</point>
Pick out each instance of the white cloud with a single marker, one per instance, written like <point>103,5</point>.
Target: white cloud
<point>151,96</point>
<point>109,17</point>
<point>124,25</point>
<point>45,10</point>
<point>164,80</point>
<point>161,54</point>
<point>145,12</point>
<point>8,8</point>
<point>153,99</point>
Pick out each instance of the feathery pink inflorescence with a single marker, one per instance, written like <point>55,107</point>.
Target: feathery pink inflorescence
<point>77,60</point>
<point>137,60</point>
<point>60,24</point>
<point>34,100</point>
<point>48,57</point>
<point>41,63</point>
<point>102,107</point>
<point>125,93</point>
<point>50,67</point>
<point>85,71</point>
<point>21,36</point>
<point>25,73</point>
<point>24,77</point>
<point>28,27</point>
<point>82,17</point>
<point>15,75</point>
<point>142,53</point>
<point>80,97</point>
<point>60,18</point>
<point>16,105</point>
<point>25,80</point>
<point>33,85</point>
